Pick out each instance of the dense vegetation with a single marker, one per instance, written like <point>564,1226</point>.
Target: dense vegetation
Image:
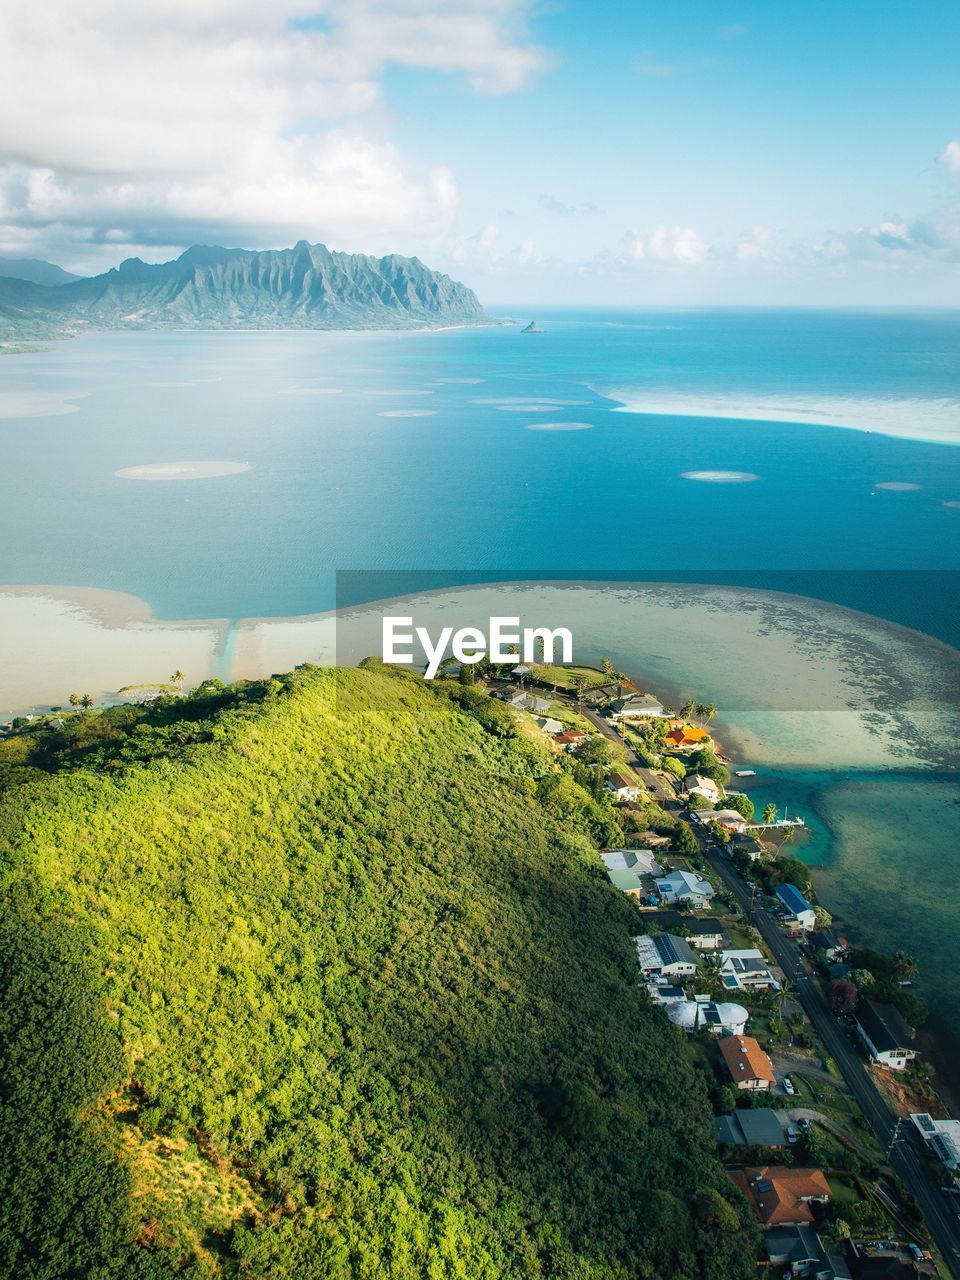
<point>319,978</point>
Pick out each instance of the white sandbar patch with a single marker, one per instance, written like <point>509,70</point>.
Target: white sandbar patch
<point>406,413</point>
<point>181,470</point>
<point>953,504</point>
<point>396,391</point>
<point>720,477</point>
<point>527,408</point>
<point>39,404</point>
<point>310,391</point>
<point>898,486</point>
<point>559,426</point>
<point>467,382</point>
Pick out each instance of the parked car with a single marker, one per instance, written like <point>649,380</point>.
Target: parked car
<point>788,1086</point>
<point>804,1125</point>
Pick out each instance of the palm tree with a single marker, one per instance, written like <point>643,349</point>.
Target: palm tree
<point>769,814</point>
<point>86,702</point>
<point>606,666</point>
<point>74,701</point>
<point>178,678</point>
<point>580,684</point>
<point>710,710</point>
<point>687,710</point>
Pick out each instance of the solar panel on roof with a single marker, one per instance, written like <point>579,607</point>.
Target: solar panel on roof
<point>926,1123</point>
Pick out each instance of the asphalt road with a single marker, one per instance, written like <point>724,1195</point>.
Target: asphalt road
<point>904,1158</point>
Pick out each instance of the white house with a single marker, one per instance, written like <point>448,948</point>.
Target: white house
<point>623,788</point>
<point>638,706</point>
<point>746,968</point>
<point>729,819</point>
<point>701,1011</point>
<point>888,1039</point>
<point>695,784</point>
<point>686,887</point>
<point>665,955</point>
<point>797,911</point>
<point>548,725</point>
<point>943,1136</point>
<point>639,860</point>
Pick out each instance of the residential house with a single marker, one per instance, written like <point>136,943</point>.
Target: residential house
<point>744,842</point>
<point>797,911</point>
<point>759,1127</point>
<point>685,887</point>
<point>746,968</point>
<point>633,883</point>
<point>665,954</point>
<point>548,725</point>
<point>686,737</point>
<point>623,788</point>
<point>527,702</point>
<point>801,1251</point>
<point>704,933</point>
<point>696,784</point>
<point>639,860</point>
<point>827,945</point>
<point>746,1063</point>
<point>637,706</point>
<point>780,1196</point>
<point>521,673</point>
<point>943,1136</point>
<point>702,1013</point>
<point>729,819</point>
<point>570,739</point>
<point>888,1039</point>
<point>665,992</point>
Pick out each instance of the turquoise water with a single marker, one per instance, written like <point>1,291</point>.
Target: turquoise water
<point>334,485</point>
<point>414,452</point>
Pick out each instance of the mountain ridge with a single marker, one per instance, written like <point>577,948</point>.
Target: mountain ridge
<point>210,286</point>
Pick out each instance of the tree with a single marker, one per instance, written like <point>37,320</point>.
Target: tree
<point>824,918</point>
<point>904,966</point>
<point>178,678</point>
<point>74,701</point>
<point>684,841</point>
<point>606,666</point>
<point>86,702</point>
<point>769,814</point>
<point>743,805</point>
<point>672,765</point>
<point>862,979</point>
<point>687,709</point>
<point>841,996</point>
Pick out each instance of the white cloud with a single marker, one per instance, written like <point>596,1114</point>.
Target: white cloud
<point>950,158</point>
<point>231,119</point>
<point>681,245</point>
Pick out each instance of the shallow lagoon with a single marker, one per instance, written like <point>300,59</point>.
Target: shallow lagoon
<point>843,721</point>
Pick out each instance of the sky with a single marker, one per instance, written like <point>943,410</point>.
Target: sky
<point>658,152</point>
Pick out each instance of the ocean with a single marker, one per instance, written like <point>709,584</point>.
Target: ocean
<point>811,453</point>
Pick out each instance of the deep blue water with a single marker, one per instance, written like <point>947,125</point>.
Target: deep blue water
<point>334,485</point>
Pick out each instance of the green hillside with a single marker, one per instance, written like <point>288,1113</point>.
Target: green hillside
<point>319,978</point>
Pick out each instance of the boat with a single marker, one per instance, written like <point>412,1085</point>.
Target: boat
<point>745,773</point>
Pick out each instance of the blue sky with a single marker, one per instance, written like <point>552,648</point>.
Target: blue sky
<point>564,152</point>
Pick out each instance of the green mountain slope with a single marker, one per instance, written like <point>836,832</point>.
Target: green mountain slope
<point>319,978</point>
<point>307,286</point>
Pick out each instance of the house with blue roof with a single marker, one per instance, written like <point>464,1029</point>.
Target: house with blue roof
<point>797,911</point>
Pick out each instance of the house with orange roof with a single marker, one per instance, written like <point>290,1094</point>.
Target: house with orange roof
<point>746,1063</point>
<point>687,737</point>
<point>782,1197</point>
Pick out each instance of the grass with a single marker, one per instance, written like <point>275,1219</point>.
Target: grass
<point>566,677</point>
